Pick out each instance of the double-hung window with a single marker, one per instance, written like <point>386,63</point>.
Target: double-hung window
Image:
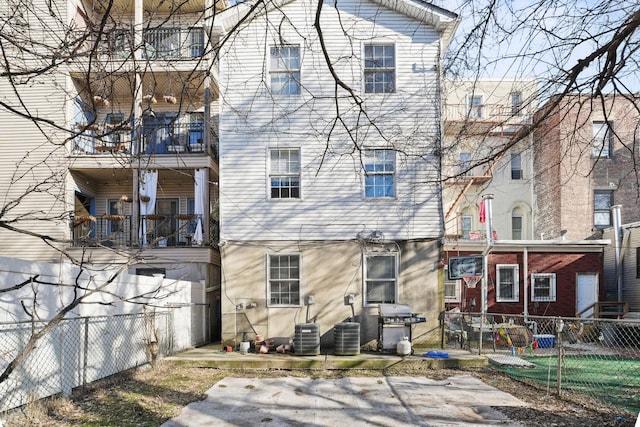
<point>466,222</point>
<point>451,290</point>
<point>516,224</point>
<point>284,69</point>
<point>476,106</point>
<point>507,283</point>
<point>602,202</point>
<point>284,177</point>
<point>464,164</point>
<point>379,171</point>
<point>284,279</point>
<point>379,68</point>
<point>516,166</point>
<point>543,287</point>
<point>381,278</point>
<point>602,139</point>
<point>516,104</point>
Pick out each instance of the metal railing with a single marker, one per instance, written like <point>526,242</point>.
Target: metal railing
<point>76,352</point>
<point>596,357</point>
<point>170,138</point>
<point>161,231</point>
<point>501,113</point>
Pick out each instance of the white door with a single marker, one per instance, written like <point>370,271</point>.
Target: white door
<point>587,292</point>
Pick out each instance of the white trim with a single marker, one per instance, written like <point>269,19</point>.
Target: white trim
<point>516,284</point>
<point>366,255</point>
<point>268,280</point>
<point>552,287</point>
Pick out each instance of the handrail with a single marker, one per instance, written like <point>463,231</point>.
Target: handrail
<point>621,309</point>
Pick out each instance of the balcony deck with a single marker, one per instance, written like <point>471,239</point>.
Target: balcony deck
<point>160,231</point>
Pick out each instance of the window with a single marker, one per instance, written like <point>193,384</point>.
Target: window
<point>466,224</point>
<point>379,68</point>
<point>196,132</point>
<point>516,104</point>
<point>284,279</point>
<point>120,43</point>
<point>113,122</point>
<point>516,224</point>
<point>516,166</point>
<point>379,169</point>
<point>476,107</point>
<point>285,173</point>
<point>380,279</point>
<point>196,42</point>
<point>464,164</point>
<point>115,208</point>
<point>284,69</point>
<point>451,290</point>
<point>637,263</point>
<point>602,202</point>
<point>507,283</point>
<point>543,287</point>
<point>602,139</point>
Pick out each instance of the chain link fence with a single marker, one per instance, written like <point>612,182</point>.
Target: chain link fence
<point>597,357</point>
<point>78,351</point>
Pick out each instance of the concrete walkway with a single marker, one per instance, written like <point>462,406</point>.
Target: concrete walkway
<point>384,401</point>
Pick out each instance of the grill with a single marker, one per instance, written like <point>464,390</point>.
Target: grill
<point>394,323</point>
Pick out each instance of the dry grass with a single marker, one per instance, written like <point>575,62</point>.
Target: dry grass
<point>146,397</point>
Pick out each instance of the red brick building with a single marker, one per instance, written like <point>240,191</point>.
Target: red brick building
<point>538,278</point>
<point>586,154</point>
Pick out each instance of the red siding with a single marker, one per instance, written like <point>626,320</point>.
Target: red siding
<point>566,266</point>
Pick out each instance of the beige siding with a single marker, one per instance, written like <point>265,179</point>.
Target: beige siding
<point>32,161</point>
<point>329,272</point>
<point>333,204</point>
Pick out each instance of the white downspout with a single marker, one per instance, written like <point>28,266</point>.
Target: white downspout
<point>488,198</point>
<point>617,237</point>
<point>525,261</point>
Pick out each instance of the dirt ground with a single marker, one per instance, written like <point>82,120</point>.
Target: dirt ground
<point>147,397</point>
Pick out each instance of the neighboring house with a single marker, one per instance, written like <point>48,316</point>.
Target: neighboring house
<point>533,277</point>
<point>324,197</point>
<point>585,158</point>
<point>486,151</point>
<point>134,184</point>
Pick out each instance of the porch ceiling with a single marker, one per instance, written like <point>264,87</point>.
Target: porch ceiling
<point>125,176</point>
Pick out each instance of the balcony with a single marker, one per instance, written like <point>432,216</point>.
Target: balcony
<point>161,231</point>
<point>157,138</point>
<point>497,119</point>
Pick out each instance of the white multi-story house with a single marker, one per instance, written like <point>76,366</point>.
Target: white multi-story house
<point>330,130</point>
<point>109,147</point>
<point>487,152</point>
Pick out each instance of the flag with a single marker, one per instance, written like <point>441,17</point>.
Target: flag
<point>483,212</point>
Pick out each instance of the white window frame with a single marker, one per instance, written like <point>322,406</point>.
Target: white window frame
<point>602,211</point>
<point>456,284</point>
<point>551,297</point>
<point>515,213</point>
<point>516,103</point>
<point>369,281</point>
<point>515,286</point>
<point>476,109</point>
<point>376,65</point>
<point>466,231</point>
<point>271,281</point>
<point>280,67</point>
<point>517,173</point>
<point>602,139</point>
<point>464,164</point>
<point>372,163</point>
<point>291,173</point>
